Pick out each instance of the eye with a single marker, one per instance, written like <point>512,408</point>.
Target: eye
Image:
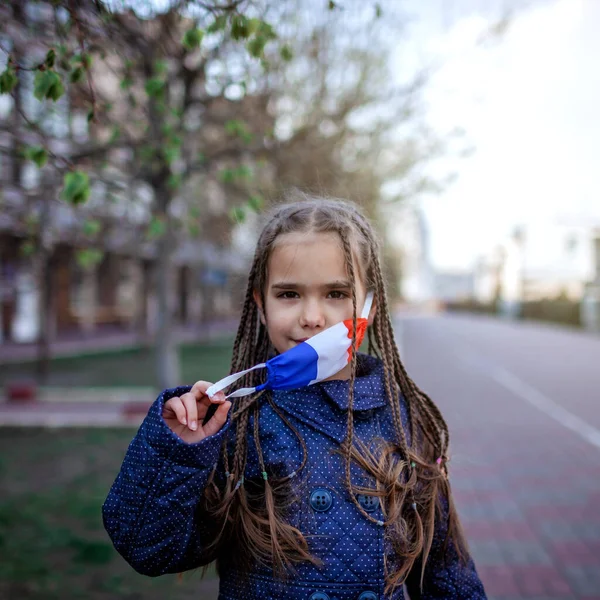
<point>337,295</point>
<point>288,295</point>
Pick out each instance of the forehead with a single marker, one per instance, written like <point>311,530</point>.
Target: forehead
<point>310,257</point>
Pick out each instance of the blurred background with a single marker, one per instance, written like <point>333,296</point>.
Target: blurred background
<point>140,142</point>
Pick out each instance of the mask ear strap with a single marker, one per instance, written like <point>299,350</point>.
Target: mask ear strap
<point>367,307</point>
<point>227,381</point>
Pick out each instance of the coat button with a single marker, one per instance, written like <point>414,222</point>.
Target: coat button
<point>368,596</point>
<point>319,596</point>
<point>321,500</point>
<point>368,503</point>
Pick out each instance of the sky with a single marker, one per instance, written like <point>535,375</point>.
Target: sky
<point>528,103</point>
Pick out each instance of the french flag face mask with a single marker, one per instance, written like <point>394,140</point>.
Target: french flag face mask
<point>311,361</point>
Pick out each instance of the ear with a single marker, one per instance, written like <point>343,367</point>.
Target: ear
<point>259,304</point>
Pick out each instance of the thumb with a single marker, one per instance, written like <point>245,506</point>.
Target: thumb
<point>218,419</point>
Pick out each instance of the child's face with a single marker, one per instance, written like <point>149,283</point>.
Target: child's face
<point>308,289</point>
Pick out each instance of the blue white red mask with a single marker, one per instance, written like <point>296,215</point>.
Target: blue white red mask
<point>311,361</point>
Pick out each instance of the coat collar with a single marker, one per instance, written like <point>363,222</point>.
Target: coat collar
<point>369,386</point>
<point>322,405</point>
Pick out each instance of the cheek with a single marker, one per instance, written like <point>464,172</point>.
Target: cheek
<point>278,317</point>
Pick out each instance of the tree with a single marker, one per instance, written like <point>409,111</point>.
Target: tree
<point>201,96</point>
<point>147,94</point>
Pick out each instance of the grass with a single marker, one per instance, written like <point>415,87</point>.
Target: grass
<point>53,483</point>
<point>126,368</point>
<point>52,541</point>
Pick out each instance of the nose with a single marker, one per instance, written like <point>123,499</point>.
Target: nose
<point>312,316</point>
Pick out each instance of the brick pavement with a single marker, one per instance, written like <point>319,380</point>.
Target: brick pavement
<point>527,488</point>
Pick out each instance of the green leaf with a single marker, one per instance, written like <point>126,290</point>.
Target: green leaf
<point>8,80</point>
<point>254,25</point>
<point>76,74</point>
<point>256,202</point>
<point>286,53</point>
<point>218,24</point>
<point>237,214</point>
<point>378,11</point>
<point>90,116</point>
<point>161,67</point>
<point>89,257</point>
<point>43,81</point>
<point>244,172</point>
<point>47,84</point>
<point>256,46</point>
<point>156,228</point>
<point>50,58</point>
<point>126,83</point>
<point>239,128</point>
<point>86,60</point>
<point>174,181</point>
<point>91,227</point>
<point>172,153</point>
<point>37,154</point>
<point>192,38</point>
<point>266,29</point>
<point>194,229</point>
<point>227,175</point>
<point>332,5</point>
<point>239,27</point>
<point>175,140</point>
<point>154,86</point>
<point>76,187</point>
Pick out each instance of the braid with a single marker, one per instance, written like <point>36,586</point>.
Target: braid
<point>347,447</point>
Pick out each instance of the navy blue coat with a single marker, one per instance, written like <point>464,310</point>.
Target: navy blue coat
<point>152,518</point>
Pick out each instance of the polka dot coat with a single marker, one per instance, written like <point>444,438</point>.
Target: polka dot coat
<point>152,518</point>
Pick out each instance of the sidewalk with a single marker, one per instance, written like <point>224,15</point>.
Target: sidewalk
<point>91,406</point>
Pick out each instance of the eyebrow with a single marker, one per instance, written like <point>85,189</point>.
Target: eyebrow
<point>286,285</point>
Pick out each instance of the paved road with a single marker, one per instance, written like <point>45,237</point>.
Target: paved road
<point>523,405</point>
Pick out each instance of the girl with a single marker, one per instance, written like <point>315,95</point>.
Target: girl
<point>332,491</point>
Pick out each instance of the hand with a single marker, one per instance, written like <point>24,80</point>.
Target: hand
<point>184,415</point>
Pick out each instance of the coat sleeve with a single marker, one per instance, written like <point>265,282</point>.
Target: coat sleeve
<point>446,576</point>
<point>151,512</point>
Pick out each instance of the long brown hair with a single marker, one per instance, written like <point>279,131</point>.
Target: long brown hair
<point>411,478</point>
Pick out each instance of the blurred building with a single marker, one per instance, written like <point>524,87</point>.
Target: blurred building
<point>590,302</point>
<point>45,280</point>
<point>546,260</point>
<point>454,286</point>
<point>409,232</point>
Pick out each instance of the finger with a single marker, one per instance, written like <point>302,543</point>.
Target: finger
<point>191,409</point>
<point>199,389</point>
<point>218,419</point>
<point>176,406</point>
